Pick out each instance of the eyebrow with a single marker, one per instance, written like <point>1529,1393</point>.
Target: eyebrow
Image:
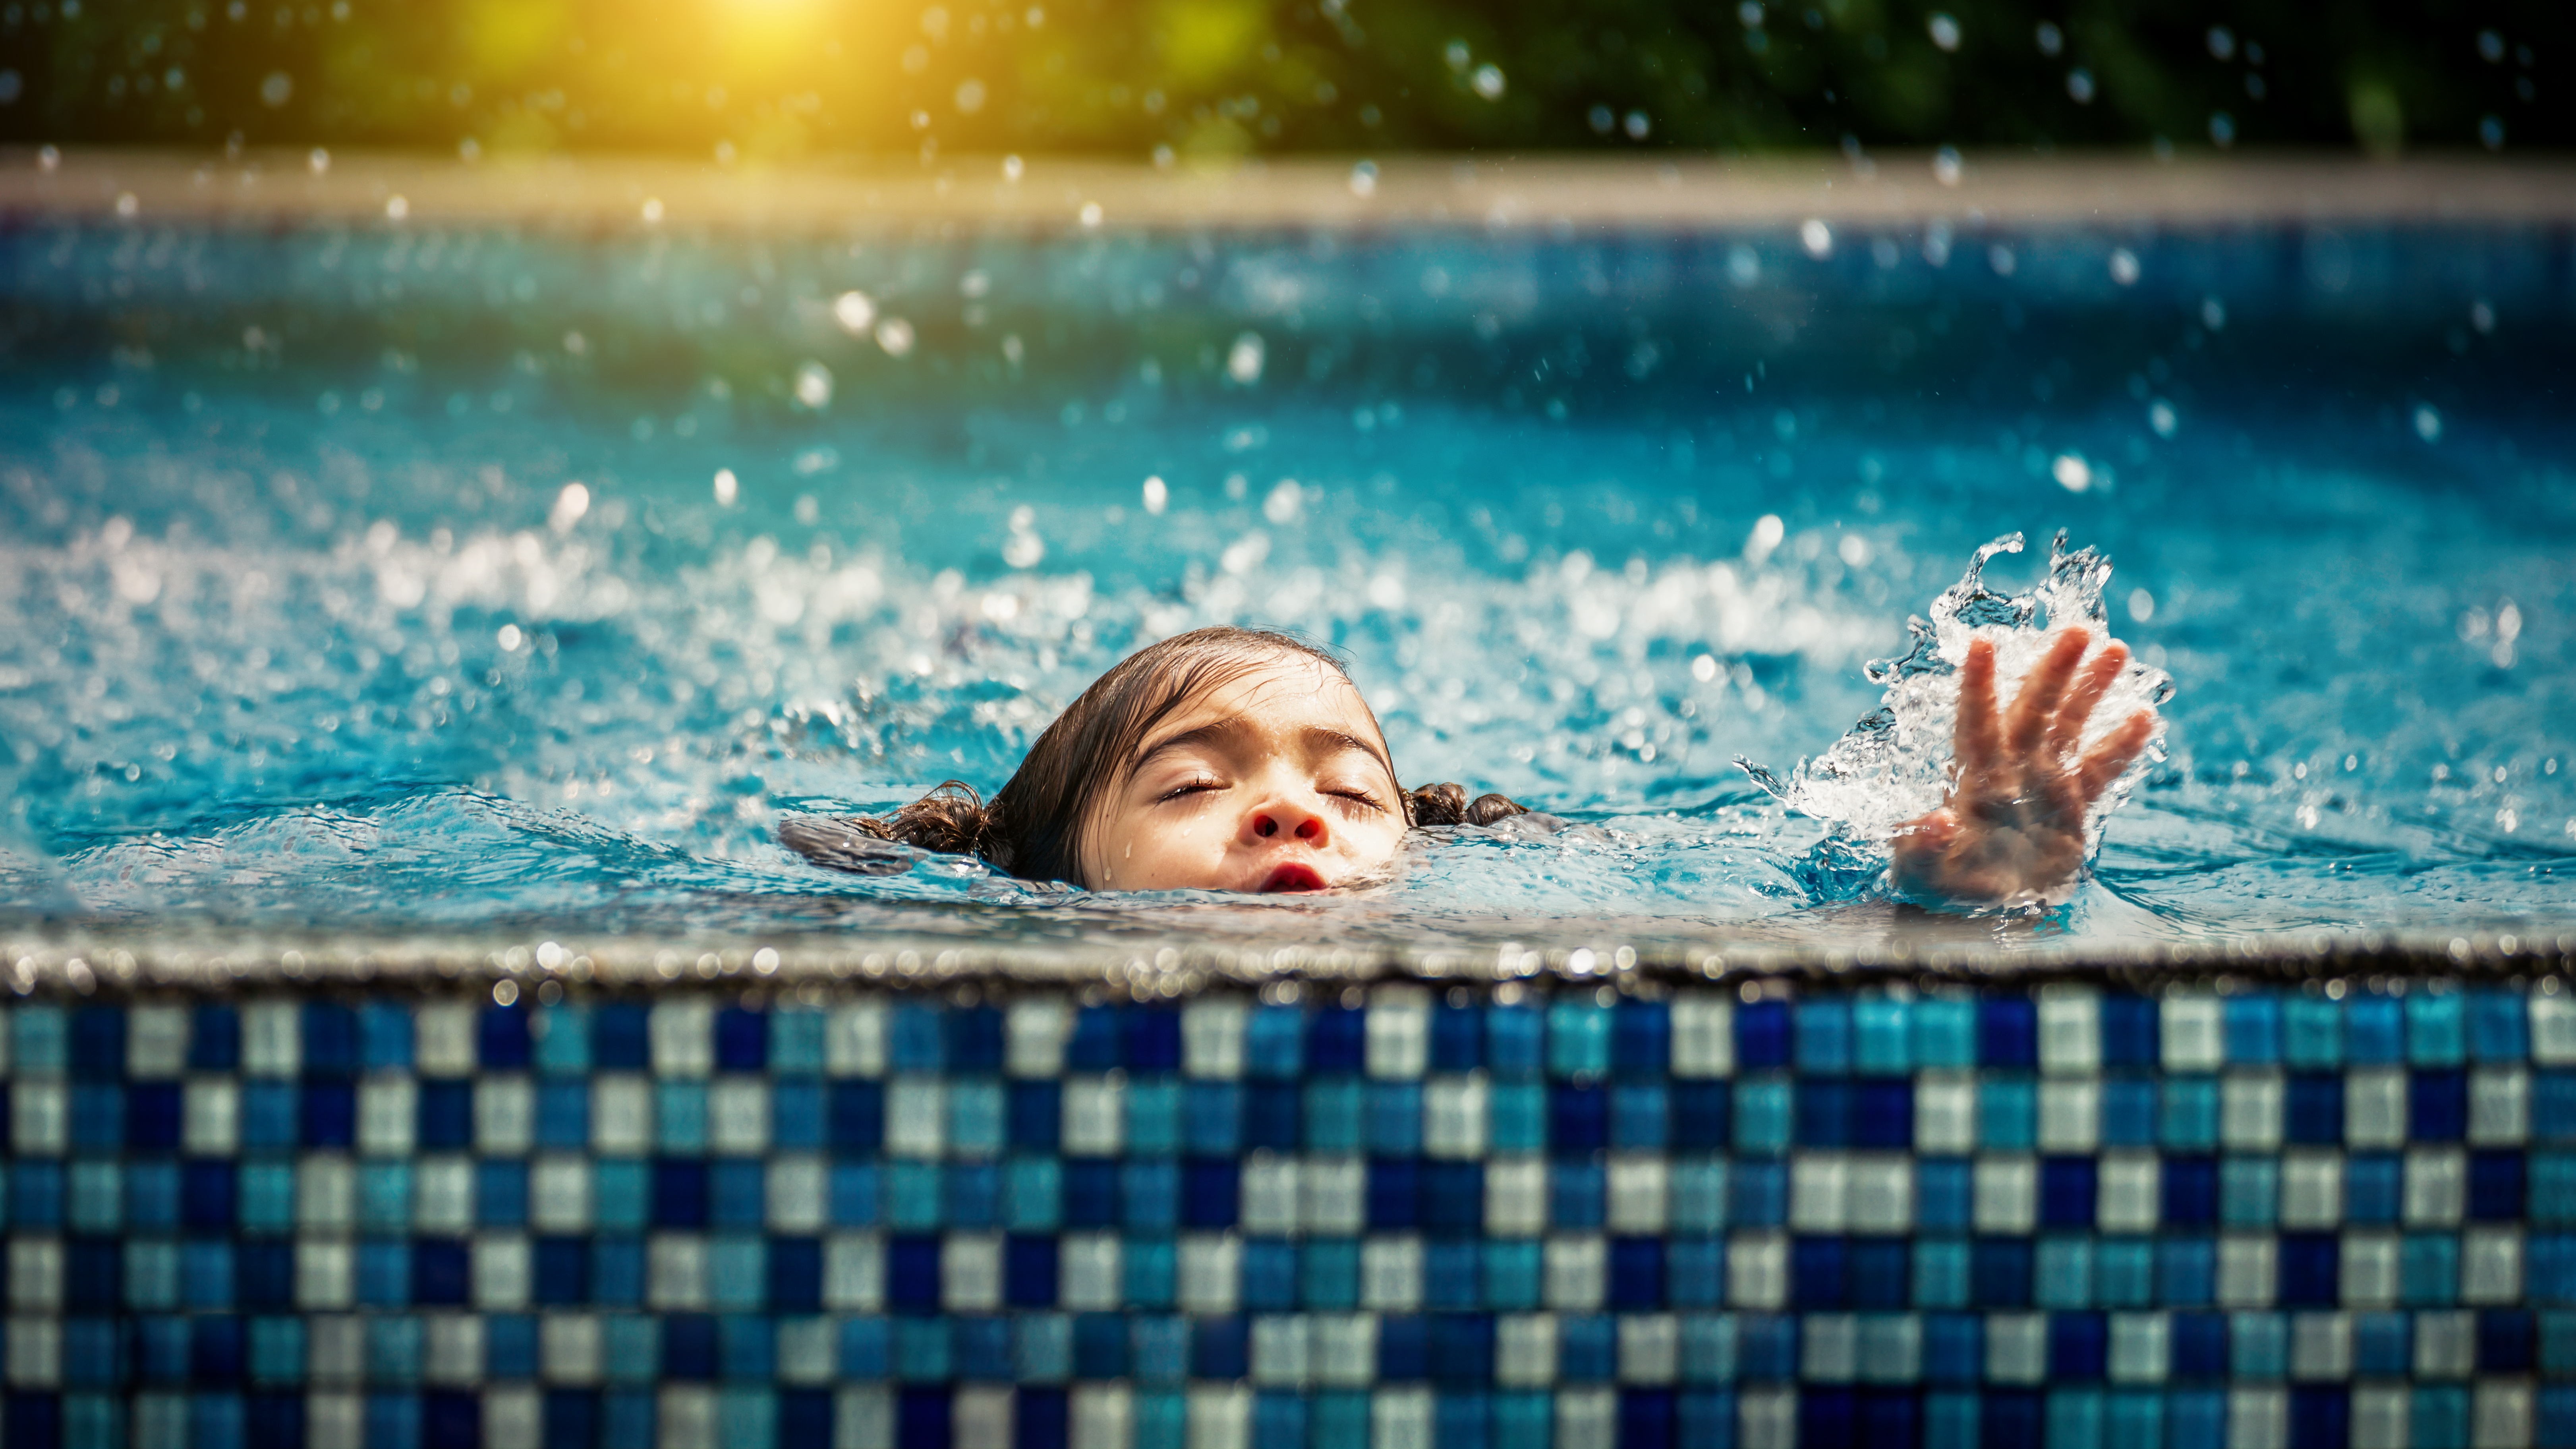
<point>1216,730</point>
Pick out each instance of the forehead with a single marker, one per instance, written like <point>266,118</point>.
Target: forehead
<point>1290,690</point>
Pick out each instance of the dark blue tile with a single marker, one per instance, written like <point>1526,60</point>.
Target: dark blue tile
<point>264,1274</point>
<point>509,1346</point>
<point>737,1191</point>
<point>620,1037</point>
<point>451,1419</point>
<point>2506,1337</point>
<point>501,1192</point>
<point>1578,1117</point>
<point>1099,1346</point>
<point>1828,1418</point>
<point>1149,1193</point>
<point>152,1117</point>
<point>1641,1039</point>
<point>1090,1192</point>
<point>2066,1192</point>
<point>921,1419</point>
<point>2129,1106</point>
<point>33,1418</point>
<point>1270,1117</point>
<point>1403,1348</point>
<point>1577,1194</point>
<point>2320,1417</point>
<point>1636,1275</point>
<point>563,1113</point>
<point>570,1419</point>
<point>208,1193</point>
<point>560,1270</point>
<point>1762,1035</point>
<point>1953,1349</point>
<point>2373,1187</point>
<point>1767,1346</point>
<point>330,1114</point>
<point>1883,1113</point>
<point>1819,1274</point>
<point>2191,1191</point>
<point>1336,1041</point>
<point>2309,1263</point>
<point>1825,1108</point>
<point>2078,1345</point>
<point>912,1273</point>
<point>2496,1185</point>
<point>268,1115</point>
<point>1587,1349</point>
<point>1452,1277</point>
<point>1457,1038</point>
<point>1878,1272</point>
<point>1701,1113</point>
<point>1999,1272</point>
<point>742,1040</point>
<point>1757,1191</point>
<point>1453,1197</point>
<point>2437,1106</point>
<point>1695,1272</point>
<point>973,1194</point>
<point>689,1346</point>
<point>1152,1039</point>
<point>795,1275</point>
<point>1220,1347</point>
<point>680,1197</point>
<point>2314,1111</point>
<point>1394,1193</point>
<point>331,1040</point>
<point>2007,1032</point>
<point>97,1043</point>
<point>617,1270</point>
<point>217,1352</point>
<point>1029,1271</point>
<point>1041,1418</point>
<point>97,1117</point>
<point>1269,1275</point>
<point>439,1271</point>
<point>1460,1350</point>
<point>1212,1118</point>
<point>1944,1194</point>
<point>1092,1045</point>
<point>1890,1418</point>
<point>446,1115</point>
<point>857,1118</point>
<point>501,1038</point>
<point>92,1278</point>
<point>2132,1031</point>
<point>214,1039</point>
<point>1211,1189</point>
<point>975,1040</point>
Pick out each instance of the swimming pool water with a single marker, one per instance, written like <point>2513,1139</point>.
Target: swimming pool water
<point>409,578</point>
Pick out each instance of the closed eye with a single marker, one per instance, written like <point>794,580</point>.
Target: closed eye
<point>1191,787</point>
<point>1360,798</point>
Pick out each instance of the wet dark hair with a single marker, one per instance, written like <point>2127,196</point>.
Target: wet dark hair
<point>1033,826</point>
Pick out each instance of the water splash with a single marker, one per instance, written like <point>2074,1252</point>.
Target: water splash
<point>1895,764</point>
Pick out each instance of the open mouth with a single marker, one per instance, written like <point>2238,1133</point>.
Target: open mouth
<point>1292,878</point>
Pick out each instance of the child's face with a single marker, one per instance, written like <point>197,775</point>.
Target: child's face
<point>1277,781</point>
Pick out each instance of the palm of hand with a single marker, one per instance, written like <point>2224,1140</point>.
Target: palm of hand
<point>2012,831</point>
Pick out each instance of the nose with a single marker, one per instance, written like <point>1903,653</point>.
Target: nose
<point>1280,818</point>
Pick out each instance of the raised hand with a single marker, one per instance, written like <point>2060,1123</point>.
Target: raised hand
<point>2012,831</point>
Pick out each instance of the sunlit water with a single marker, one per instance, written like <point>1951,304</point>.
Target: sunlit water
<point>401,580</point>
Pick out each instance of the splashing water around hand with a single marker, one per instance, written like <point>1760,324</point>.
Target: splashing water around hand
<point>1896,763</point>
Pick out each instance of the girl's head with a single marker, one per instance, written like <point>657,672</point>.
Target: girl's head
<point>1221,759</point>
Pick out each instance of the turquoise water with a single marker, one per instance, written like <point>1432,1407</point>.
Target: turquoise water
<point>399,579</point>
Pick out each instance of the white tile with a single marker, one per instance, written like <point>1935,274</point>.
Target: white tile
<point>1586,1418</point>
<point>156,1042</point>
<point>2311,1188</point>
<point>2446,1344</point>
<point>1891,1348</point>
<point>683,1035</point>
<point>1525,1350</point>
<point>738,1115</point>
<point>1269,1207</point>
<point>2249,1111</point>
<point>1576,1267</point>
<point>2007,1194</point>
<point>39,1117</point>
<point>331,1420</point>
<point>1278,1351</point>
<point>621,1113</point>
<point>2500,1415</point>
<point>452,1348</point>
<point>970,1272</point>
<point>1650,1348</point>
<point>335,1349</point>
<point>854,1043</point>
<point>1333,1196</point>
<point>2192,1034</point>
<point>1767,1418</point>
<point>1515,1197</point>
<point>2490,1265</point>
<point>1881,1192</point>
<point>2553,1030</point>
<point>807,1350</point>
<point>2499,1106</point>
<point>1095,1116</point>
<point>1220,1418</point>
<point>2320,1346</point>
<point>510,1417</point>
<point>504,1116</point>
<point>442,1194</point>
<point>797,1188</point>
<point>1400,1418</point>
<point>568,1348</point>
<point>2070,1114</point>
<point>1212,1038</point>
<point>675,1271</point>
<point>388,1116</point>
<point>2247,1269</point>
<point>854,1273</point>
<point>442,1040</point>
<point>1210,1271</point>
<point>2070,1030</point>
<point>2140,1349</point>
<point>1819,1192</point>
<point>2436,1186</point>
<point>272,1038</point>
<point>325,1274</point>
<point>326,1193</point>
<point>1640,1192</point>
<point>501,1271</point>
<point>2258,1418</point>
<point>1757,1270</point>
<point>1398,1041</point>
<point>1455,1112</point>
<point>1829,1348</point>
<point>1391,1274</point>
<point>1945,1115</point>
<point>980,1417</point>
<point>1088,1277</point>
<point>35,1352</point>
<point>559,1193</point>
<point>685,1418</point>
<point>1102,1416</point>
<point>35,1274</point>
<point>209,1115</point>
<point>1033,1035</point>
<point>2380,1417</point>
<point>2369,1272</point>
<point>2017,1347</point>
<point>863,1418</point>
<point>2374,1107</point>
<point>1703,1035</point>
<point>916,1117</point>
<point>1343,1348</point>
<point>2130,1197</point>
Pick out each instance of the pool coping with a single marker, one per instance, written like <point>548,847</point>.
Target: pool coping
<point>1556,192</point>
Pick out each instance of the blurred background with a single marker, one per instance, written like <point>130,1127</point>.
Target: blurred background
<point>773,80</point>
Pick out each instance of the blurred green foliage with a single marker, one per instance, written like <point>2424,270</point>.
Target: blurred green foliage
<point>757,79</point>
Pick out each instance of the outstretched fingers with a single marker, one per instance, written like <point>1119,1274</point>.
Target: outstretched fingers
<point>2113,756</point>
<point>2067,730</point>
<point>2043,688</point>
<point>1978,741</point>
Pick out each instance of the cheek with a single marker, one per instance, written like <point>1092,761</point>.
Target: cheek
<point>1135,854</point>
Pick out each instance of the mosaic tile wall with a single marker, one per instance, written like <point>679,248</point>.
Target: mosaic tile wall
<point>2271,1220</point>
